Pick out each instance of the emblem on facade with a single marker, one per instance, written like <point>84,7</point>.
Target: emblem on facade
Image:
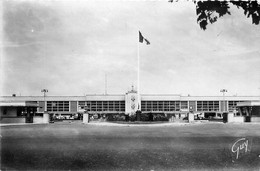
<point>133,106</point>
<point>133,98</point>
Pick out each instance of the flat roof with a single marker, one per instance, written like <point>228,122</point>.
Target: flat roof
<point>254,103</point>
<point>144,97</point>
<point>18,104</point>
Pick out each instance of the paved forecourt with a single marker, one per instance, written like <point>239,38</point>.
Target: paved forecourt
<point>76,146</point>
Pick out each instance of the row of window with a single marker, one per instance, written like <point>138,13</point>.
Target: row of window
<point>232,105</point>
<point>163,105</point>
<point>63,106</point>
<point>207,105</point>
<point>59,106</point>
<point>118,106</point>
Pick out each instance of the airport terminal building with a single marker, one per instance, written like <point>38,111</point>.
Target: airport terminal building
<point>30,109</point>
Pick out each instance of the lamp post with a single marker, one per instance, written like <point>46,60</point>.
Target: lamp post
<point>86,113</point>
<point>44,91</point>
<point>46,116</point>
<point>223,91</point>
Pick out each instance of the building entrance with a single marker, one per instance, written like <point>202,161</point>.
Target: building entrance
<point>29,118</point>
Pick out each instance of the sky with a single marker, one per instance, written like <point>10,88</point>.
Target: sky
<point>70,47</point>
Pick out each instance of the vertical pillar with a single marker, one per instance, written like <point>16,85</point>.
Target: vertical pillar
<point>85,118</point>
<point>248,114</point>
<point>247,111</point>
<point>172,118</point>
<point>240,112</point>
<point>230,117</point>
<point>191,117</point>
<point>46,117</point>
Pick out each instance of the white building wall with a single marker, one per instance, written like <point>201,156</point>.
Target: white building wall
<point>144,97</point>
<point>131,102</point>
<point>37,119</point>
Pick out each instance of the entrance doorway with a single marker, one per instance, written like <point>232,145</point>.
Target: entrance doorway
<point>29,118</point>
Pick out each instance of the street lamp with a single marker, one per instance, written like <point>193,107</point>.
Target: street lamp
<point>44,91</point>
<point>86,107</point>
<point>223,91</point>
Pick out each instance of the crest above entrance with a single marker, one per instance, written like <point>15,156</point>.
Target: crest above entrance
<point>131,102</point>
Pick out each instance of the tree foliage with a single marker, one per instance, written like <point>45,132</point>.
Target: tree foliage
<point>210,11</point>
<point>207,12</point>
<point>251,9</point>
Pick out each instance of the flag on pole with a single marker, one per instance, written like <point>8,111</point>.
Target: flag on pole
<point>142,39</point>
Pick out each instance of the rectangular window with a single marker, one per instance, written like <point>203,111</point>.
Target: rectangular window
<point>216,106</point>
<point>81,103</point>
<point>122,105</point>
<point>160,105</point>
<point>58,106</point>
<point>208,106</point>
<point>149,106</point>
<point>155,105</point>
<point>93,106</point>
<point>105,106</point>
<point>163,105</point>
<point>199,105</point>
<point>172,106</point>
<point>111,106</point>
<point>166,106</point>
<point>99,105</point>
<point>232,105</point>
<point>143,105</point>
<point>84,105</point>
<point>177,105</point>
<point>117,106</point>
<point>184,104</point>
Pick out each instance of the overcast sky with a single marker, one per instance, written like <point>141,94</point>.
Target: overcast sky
<point>68,47</point>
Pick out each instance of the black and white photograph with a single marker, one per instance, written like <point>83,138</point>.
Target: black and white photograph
<point>126,85</point>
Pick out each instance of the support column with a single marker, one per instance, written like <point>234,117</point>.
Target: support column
<point>248,114</point>
<point>46,117</point>
<point>230,117</point>
<point>191,117</point>
<point>240,112</point>
<point>172,118</point>
<point>85,118</point>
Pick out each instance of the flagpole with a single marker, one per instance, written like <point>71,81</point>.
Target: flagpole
<point>138,72</point>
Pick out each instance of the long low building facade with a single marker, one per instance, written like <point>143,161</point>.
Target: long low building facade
<point>35,106</point>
